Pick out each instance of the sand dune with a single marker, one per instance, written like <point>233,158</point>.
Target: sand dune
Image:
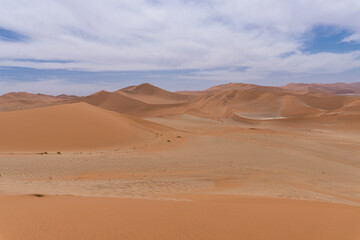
<point>330,88</point>
<point>117,102</point>
<point>228,101</point>
<point>16,96</point>
<point>241,87</point>
<point>150,94</point>
<point>251,104</point>
<point>68,126</point>
<point>194,93</point>
<point>22,100</point>
<point>128,105</point>
<point>265,104</point>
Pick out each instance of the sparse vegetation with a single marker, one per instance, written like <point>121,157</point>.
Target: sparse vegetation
<point>38,195</point>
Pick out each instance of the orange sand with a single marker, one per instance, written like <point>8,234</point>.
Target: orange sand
<point>205,217</point>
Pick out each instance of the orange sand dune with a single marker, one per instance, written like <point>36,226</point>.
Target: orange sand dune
<point>69,126</point>
<point>22,100</point>
<point>241,87</point>
<point>233,100</point>
<point>128,105</point>
<point>16,96</point>
<point>117,102</point>
<point>194,93</point>
<point>150,94</point>
<point>330,88</point>
<point>264,103</point>
<point>255,104</point>
<point>204,217</point>
<point>24,96</point>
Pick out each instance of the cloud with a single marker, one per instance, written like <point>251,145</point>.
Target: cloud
<point>114,35</point>
<point>352,38</point>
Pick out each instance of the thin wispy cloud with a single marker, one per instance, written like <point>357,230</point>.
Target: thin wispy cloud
<point>261,37</point>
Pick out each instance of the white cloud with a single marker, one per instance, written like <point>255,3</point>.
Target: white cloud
<point>175,34</point>
<point>352,38</point>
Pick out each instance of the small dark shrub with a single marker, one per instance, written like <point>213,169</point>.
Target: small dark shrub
<point>38,195</point>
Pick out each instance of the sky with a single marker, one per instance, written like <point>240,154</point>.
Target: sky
<point>82,46</point>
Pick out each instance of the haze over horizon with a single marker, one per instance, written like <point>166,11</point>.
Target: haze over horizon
<point>80,47</point>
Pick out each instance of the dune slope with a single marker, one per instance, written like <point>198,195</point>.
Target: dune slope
<point>116,102</point>
<point>264,103</point>
<point>66,127</point>
<point>150,94</point>
<point>128,105</point>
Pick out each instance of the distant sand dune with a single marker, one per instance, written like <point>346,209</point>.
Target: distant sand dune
<point>235,101</point>
<point>330,88</point>
<point>154,95</point>
<point>21,100</point>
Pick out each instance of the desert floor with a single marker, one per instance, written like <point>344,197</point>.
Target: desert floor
<point>206,180</point>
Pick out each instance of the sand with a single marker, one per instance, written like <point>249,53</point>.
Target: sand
<point>332,88</point>
<point>205,217</point>
<point>153,95</point>
<point>244,163</point>
<point>71,127</point>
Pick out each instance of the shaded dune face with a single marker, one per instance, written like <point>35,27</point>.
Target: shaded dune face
<point>128,105</point>
<point>154,95</point>
<point>68,126</point>
<point>116,102</point>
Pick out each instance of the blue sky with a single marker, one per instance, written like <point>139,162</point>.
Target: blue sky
<point>79,47</point>
<point>329,38</point>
